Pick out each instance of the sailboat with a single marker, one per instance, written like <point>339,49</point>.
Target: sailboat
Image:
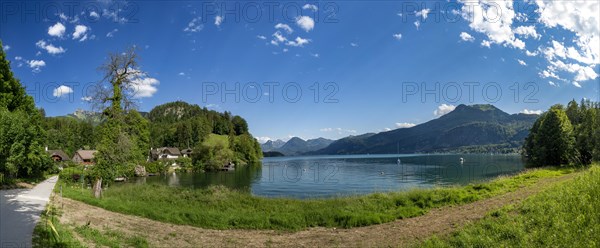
<point>399,162</point>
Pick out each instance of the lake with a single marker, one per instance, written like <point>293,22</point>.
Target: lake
<point>328,176</point>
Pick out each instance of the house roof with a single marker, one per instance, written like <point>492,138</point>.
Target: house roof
<point>186,151</point>
<point>86,154</point>
<point>63,156</point>
<point>163,150</point>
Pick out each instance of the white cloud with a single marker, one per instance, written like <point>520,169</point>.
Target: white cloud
<point>262,37</point>
<point>6,47</point>
<point>531,54</point>
<point>552,83</point>
<point>306,23</point>
<point>285,27</point>
<point>86,98</point>
<point>18,58</point>
<point>466,37</point>
<point>582,73</point>
<point>397,36</point>
<point>417,24</point>
<point>521,62</point>
<point>527,31</point>
<point>36,65</point>
<point>94,14</point>
<point>212,106</point>
<point>338,130</point>
<point>219,20</point>
<point>316,55</point>
<point>112,33</point>
<point>57,30</point>
<point>263,140</point>
<point>423,13</point>
<point>494,19</point>
<point>114,14</point>
<point>51,49</point>
<point>531,112</point>
<point>298,42</point>
<point>181,74</point>
<point>310,7</point>
<point>142,85</point>
<point>62,90</point>
<point>194,26</point>
<point>352,44</point>
<point>549,74</point>
<point>579,17</point>
<point>443,109</point>
<point>80,32</point>
<point>486,43</point>
<point>582,19</point>
<point>405,125</point>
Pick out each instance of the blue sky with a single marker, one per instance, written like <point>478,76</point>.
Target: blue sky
<point>361,66</point>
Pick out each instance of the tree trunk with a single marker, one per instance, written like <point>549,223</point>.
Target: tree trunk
<point>98,188</point>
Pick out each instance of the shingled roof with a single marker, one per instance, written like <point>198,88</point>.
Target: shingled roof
<point>63,156</point>
<point>86,154</point>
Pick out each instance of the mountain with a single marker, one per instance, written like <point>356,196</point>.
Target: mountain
<point>87,116</point>
<point>473,128</point>
<point>297,146</point>
<point>272,145</point>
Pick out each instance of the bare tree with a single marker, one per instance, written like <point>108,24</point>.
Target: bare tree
<point>116,92</point>
<point>114,95</point>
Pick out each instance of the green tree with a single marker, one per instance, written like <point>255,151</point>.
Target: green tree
<point>240,126</point>
<point>585,135</point>
<point>554,140</point>
<point>21,134</point>
<point>124,132</point>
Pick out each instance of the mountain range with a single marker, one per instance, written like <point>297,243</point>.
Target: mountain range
<point>295,146</point>
<point>468,128</point>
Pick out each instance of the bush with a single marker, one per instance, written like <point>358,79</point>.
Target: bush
<point>75,174</point>
<point>155,167</point>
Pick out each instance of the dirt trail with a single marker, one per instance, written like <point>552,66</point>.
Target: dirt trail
<point>398,233</point>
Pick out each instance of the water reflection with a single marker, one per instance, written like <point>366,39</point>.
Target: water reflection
<point>326,176</point>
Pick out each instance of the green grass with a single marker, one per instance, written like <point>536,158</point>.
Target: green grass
<point>221,208</point>
<point>214,139</point>
<point>110,238</point>
<point>44,235</point>
<point>566,215</point>
<point>50,232</point>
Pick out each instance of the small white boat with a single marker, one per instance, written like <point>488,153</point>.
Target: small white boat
<point>462,160</point>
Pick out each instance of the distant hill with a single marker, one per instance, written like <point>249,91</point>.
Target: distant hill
<point>297,146</point>
<point>474,128</point>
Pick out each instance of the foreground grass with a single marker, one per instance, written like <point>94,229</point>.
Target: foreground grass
<point>566,215</point>
<point>50,232</point>
<point>221,208</point>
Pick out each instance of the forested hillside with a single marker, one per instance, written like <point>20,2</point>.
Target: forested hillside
<point>176,124</point>
<point>474,128</point>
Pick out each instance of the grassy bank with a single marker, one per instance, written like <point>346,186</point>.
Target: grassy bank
<point>221,208</point>
<point>566,215</point>
<point>50,232</point>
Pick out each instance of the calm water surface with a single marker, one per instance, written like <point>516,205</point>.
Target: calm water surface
<point>328,176</point>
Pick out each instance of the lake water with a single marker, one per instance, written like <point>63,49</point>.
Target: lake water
<point>328,176</point>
